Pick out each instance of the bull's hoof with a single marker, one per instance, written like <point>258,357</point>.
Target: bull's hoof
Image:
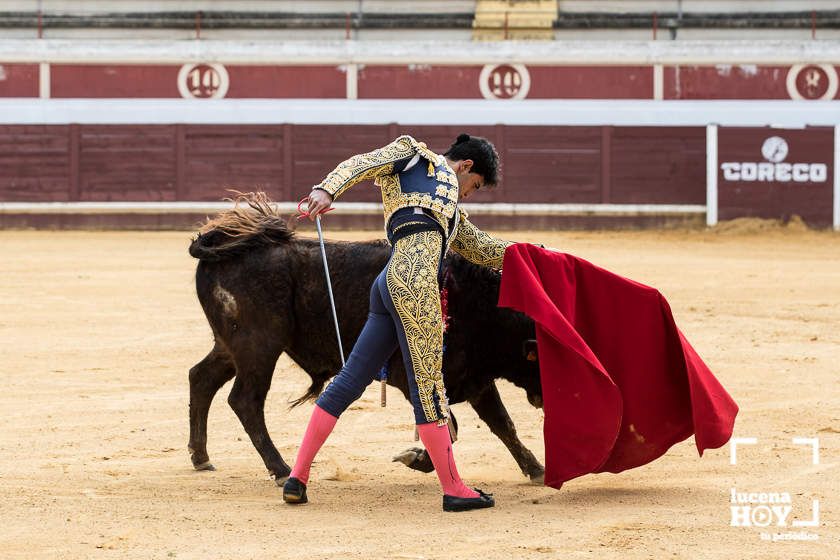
<point>538,479</point>
<point>280,473</point>
<point>406,457</point>
<point>205,466</point>
<point>415,458</point>
<point>200,460</point>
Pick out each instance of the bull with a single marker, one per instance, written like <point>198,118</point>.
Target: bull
<point>263,293</point>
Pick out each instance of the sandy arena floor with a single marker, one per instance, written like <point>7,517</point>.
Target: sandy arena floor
<point>98,330</point>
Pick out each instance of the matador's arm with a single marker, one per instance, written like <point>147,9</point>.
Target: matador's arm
<point>477,246</point>
<point>385,161</point>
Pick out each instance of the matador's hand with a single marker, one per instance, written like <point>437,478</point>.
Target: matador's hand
<point>319,202</point>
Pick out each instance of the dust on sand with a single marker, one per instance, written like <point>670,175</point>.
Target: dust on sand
<point>98,330</point>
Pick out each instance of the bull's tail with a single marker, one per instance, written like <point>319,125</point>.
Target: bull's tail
<point>252,222</point>
<point>311,394</point>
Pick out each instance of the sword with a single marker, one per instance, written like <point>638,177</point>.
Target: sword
<point>304,214</point>
<point>329,287</point>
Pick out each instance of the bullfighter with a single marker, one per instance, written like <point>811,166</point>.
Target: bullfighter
<point>420,193</point>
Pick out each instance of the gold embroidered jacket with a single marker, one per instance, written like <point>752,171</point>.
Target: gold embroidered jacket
<point>430,183</point>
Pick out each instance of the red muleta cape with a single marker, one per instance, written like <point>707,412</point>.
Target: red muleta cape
<point>620,382</point>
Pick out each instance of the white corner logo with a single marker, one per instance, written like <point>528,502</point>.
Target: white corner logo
<point>815,447</point>
<point>733,447</point>
<point>772,509</point>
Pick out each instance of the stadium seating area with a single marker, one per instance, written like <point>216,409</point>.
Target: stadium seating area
<point>422,19</point>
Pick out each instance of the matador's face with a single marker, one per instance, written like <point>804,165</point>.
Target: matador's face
<point>468,181</point>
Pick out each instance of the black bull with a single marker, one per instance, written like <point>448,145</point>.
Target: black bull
<point>265,294</point>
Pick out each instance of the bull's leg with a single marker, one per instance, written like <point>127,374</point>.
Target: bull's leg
<point>488,405</point>
<point>418,458</point>
<point>247,399</point>
<point>206,378</point>
<point>415,458</point>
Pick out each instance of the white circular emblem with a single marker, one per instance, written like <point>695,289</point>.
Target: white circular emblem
<point>504,81</point>
<point>774,149</point>
<point>812,81</point>
<point>203,81</point>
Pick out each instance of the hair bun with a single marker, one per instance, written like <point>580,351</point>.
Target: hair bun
<point>462,138</point>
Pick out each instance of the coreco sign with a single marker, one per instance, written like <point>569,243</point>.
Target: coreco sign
<point>775,168</point>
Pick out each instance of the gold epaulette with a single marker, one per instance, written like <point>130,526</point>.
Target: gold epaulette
<point>371,165</point>
<point>434,159</point>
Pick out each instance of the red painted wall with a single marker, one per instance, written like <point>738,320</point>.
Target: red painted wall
<point>105,80</point>
<point>287,82</point>
<point>126,163</point>
<point>420,81</point>
<point>725,82</point>
<point>591,82</point>
<point>658,165</point>
<point>216,158</point>
<point>763,172</point>
<point>200,162</point>
<point>738,82</point>
<point>19,80</point>
<point>35,163</point>
<point>161,81</point>
<point>417,81</point>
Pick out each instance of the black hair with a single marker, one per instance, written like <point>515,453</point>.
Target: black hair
<point>481,151</point>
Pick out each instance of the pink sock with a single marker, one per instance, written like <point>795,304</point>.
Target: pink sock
<point>320,426</point>
<point>439,446</point>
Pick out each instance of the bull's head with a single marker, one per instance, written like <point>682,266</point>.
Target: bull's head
<point>472,305</point>
<point>531,382</point>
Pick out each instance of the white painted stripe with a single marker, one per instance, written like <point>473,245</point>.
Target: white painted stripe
<point>124,207</point>
<point>44,81</point>
<point>352,71</point>
<point>533,112</point>
<point>518,209</point>
<point>351,208</point>
<point>135,51</point>
<point>837,177</point>
<point>711,175</point>
<point>658,81</point>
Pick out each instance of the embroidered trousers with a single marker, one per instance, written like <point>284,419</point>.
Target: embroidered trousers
<point>404,312</point>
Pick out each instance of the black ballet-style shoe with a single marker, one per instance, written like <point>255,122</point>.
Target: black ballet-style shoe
<point>294,492</point>
<point>454,503</point>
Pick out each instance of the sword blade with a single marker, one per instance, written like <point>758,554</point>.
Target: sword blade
<point>329,287</point>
